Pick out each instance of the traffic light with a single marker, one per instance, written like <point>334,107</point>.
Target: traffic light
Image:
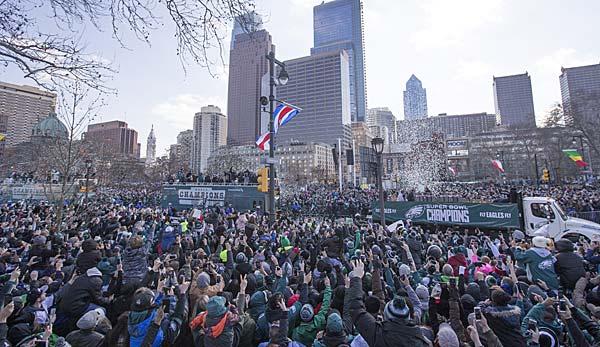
<point>546,175</point>
<point>263,180</point>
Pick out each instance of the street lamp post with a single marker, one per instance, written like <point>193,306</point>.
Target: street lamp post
<point>282,79</point>
<point>88,166</point>
<point>377,145</point>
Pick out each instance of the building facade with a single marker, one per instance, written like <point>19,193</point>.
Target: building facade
<point>451,126</point>
<point>338,25</point>
<point>580,91</point>
<point>415,99</point>
<point>319,85</point>
<point>365,164</point>
<point>247,67</point>
<point>113,138</point>
<point>513,100</point>
<point>21,108</point>
<point>383,117</point>
<point>151,147</point>
<point>210,132</point>
<point>306,162</point>
<point>247,23</point>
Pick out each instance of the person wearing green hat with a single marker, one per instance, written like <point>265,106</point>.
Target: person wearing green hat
<point>220,324</point>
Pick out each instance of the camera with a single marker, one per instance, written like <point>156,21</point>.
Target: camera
<point>477,312</point>
<point>531,324</point>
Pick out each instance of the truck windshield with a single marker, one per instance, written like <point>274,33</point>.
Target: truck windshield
<point>560,211</point>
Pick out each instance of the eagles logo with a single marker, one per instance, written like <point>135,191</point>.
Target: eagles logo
<point>414,212</point>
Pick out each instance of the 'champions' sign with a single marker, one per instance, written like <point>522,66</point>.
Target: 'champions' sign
<point>200,195</point>
<point>471,214</point>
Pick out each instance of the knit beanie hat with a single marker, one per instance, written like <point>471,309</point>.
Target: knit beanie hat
<point>422,292</point>
<point>216,307</point>
<point>434,251</point>
<point>307,312</point>
<point>334,324</point>
<point>90,319</point>
<point>468,302</point>
<point>540,242</point>
<point>447,270</point>
<point>474,290</point>
<point>203,280</point>
<point>490,280</point>
<point>143,299</point>
<point>447,337</point>
<point>241,258</point>
<point>396,308</point>
<point>404,270</point>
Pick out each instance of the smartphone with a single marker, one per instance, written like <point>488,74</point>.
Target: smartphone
<point>41,343</point>
<point>562,305</point>
<point>477,312</point>
<point>453,281</point>
<point>531,324</point>
<point>166,304</point>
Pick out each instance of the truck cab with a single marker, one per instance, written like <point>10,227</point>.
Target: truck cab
<point>545,215</point>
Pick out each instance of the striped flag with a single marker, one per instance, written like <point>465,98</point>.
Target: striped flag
<point>576,157</point>
<point>283,114</point>
<point>263,141</point>
<point>452,170</point>
<point>498,165</point>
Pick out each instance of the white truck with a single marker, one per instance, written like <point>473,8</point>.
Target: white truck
<point>533,215</point>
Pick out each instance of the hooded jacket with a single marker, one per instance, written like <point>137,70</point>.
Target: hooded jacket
<point>505,322</point>
<point>135,264</point>
<point>306,332</point>
<point>87,289</point>
<point>569,265</point>
<point>540,265</point>
<point>393,332</point>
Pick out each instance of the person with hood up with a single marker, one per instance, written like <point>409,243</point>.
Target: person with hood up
<point>334,334</point>
<point>569,265</point>
<point>539,262</point>
<point>504,319</point>
<point>135,264</point>
<point>310,323</point>
<point>89,257</point>
<point>85,294</point>
<point>218,326</point>
<point>397,329</point>
<point>87,336</point>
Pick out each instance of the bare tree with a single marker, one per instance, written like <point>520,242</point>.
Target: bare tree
<point>48,58</point>
<point>555,117</point>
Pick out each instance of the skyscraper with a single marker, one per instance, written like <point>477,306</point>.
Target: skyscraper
<point>415,99</point>
<point>210,132</point>
<point>319,84</point>
<point>339,25</point>
<point>22,107</point>
<point>513,99</point>
<point>247,66</point>
<point>113,138</point>
<point>151,147</point>
<point>580,91</point>
<point>246,23</point>
<point>383,117</point>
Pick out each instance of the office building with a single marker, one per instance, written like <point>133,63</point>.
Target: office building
<point>415,99</point>
<point>450,126</point>
<point>247,67</point>
<point>151,147</point>
<point>338,25</point>
<point>319,85</point>
<point>310,162</point>
<point>365,161</point>
<point>246,23</point>
<point>383,117</point>
<point>513,99</point>
<point>580,91</point>
<point>210,132</point>
<point>113,138</point>
<point>21,108</point>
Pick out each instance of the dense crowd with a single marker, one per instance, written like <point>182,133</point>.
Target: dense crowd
<point>117,270</point>
<point>230,176</point>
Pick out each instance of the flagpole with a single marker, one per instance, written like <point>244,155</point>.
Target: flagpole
<point>354,162</point>
<point>340,163</point>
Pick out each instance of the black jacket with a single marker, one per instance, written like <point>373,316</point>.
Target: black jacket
<point>85,290</point>
<point>394,332</point>
<point>88,260</point>
<point>569,265</point>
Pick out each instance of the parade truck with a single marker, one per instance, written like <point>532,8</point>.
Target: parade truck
<point>532,215</point>
<point>204,195</point>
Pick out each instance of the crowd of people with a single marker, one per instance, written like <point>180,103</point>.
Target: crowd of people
<point>118,270</point>
<point>230,177</point>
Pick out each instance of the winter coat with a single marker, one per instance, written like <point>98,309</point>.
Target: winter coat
<point>537,312</point>
<point>85,338</point>
<point>505,322</point>
<point>84,291</point>
<point>540,265</point>
<point>569,265</point>
<point>307,331</point>
<point>135,264</point>
<point>139,324</point>
<point>394,332</point>
<point>88,260</point>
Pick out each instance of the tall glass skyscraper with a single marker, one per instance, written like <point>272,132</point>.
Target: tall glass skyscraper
<point>580,91</point>
<point>513,99</point>
<point>338,25</point>
<point>246,23</point>
<point>415,99</point>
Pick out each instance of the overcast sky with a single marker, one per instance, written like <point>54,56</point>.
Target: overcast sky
<point>453,47</point>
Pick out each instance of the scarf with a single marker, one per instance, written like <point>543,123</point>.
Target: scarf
<point>214,331</point>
